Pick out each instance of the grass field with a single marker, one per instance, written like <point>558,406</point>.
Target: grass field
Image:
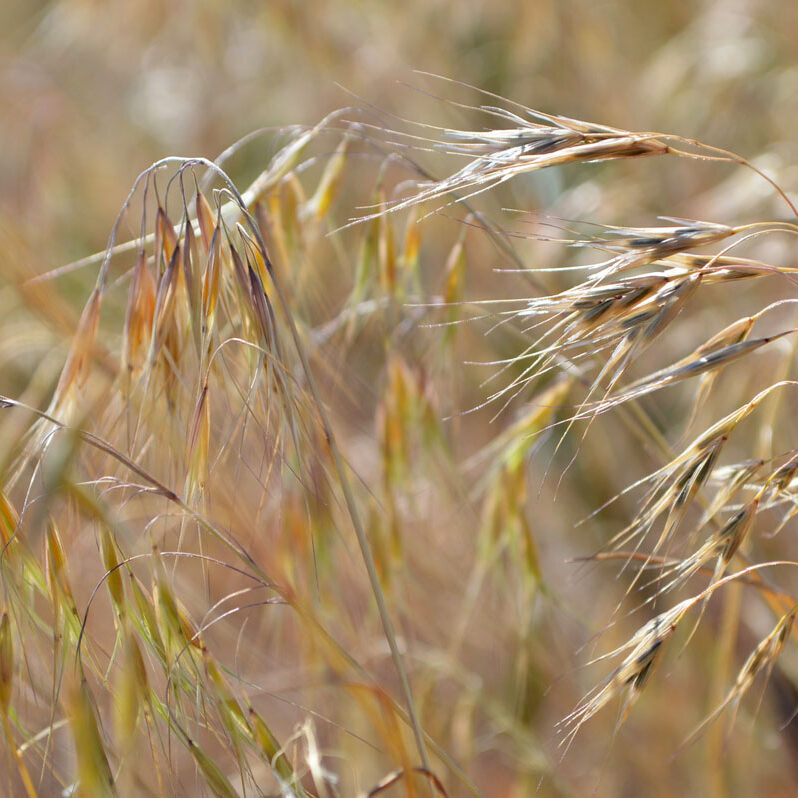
<point>365,431</point>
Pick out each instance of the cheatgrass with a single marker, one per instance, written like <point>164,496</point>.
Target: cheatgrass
<point>259,538</point>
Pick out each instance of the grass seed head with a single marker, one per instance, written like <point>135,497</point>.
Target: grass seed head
<point>94,775</point>
<point>131,692</point>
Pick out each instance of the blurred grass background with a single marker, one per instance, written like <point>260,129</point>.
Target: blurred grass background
<point>92,92</point>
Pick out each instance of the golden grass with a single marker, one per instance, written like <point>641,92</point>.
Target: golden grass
<point>238,561</point>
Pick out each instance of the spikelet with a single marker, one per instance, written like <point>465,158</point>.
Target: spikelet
<point>641,654</point>
<point>198,444</point>
<point>761,660</point>
<point>318,205</point>
<point>131,692</point>
<point>139,317</point>
<point>110,558</point>
<point>94,775</point>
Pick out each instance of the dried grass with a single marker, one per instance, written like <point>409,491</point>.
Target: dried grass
<point>185,540</point>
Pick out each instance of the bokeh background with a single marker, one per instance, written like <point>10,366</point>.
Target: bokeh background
<point>91,93</point>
